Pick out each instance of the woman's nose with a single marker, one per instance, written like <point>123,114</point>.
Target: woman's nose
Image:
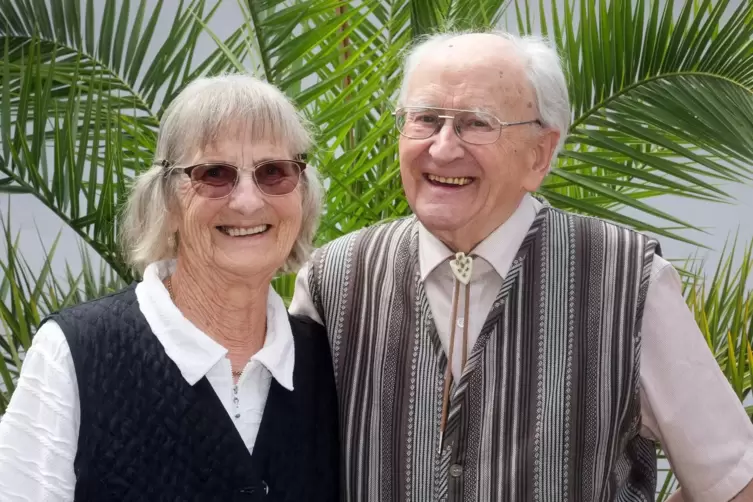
<point>246,198</point>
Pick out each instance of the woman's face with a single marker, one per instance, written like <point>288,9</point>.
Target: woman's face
<point>247,233</point>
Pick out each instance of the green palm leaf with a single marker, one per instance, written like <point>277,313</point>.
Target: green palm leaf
<point>28,293</point>
<point>662,100</point>
<point>79,117</point>
<point>658,103</point>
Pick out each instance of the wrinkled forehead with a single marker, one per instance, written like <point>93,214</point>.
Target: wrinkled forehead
<point>455,77</point>
<point>237,141</point>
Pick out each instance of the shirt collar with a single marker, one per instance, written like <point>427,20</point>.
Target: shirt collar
<point>278,353</point>
<point>194,352</point>
<point>498,248</point>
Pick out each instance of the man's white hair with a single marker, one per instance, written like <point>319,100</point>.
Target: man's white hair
<point>206,110</point>
<point>542,64</point>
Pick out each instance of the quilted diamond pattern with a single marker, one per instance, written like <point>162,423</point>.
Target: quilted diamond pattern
<point>146,434</point>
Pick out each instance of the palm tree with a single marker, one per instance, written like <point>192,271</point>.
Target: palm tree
<point>662,99</point>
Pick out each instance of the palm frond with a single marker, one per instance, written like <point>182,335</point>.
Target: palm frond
<point>29,292</point>
<point>78,118</point>
<point>654,106</point>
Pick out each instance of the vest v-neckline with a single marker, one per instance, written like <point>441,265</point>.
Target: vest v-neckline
<point>510,278</point>
<point>205,392</point>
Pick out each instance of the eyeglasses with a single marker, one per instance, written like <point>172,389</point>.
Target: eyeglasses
<point>477,128</point>
<point>217,180</point>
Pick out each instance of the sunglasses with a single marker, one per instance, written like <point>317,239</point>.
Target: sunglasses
<point>217,180</point>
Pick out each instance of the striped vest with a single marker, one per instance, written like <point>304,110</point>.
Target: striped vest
<point>547,408</point>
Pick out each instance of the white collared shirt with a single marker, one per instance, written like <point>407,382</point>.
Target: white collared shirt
<point>492,259</point>
<point>39,432</point>
<point>686,403</point>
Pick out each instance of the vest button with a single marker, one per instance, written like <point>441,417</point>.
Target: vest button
<point>456,470</point>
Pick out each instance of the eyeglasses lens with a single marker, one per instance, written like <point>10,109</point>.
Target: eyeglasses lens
<point>276,177</point>
<point>473,127</point>
<point>214,181</point>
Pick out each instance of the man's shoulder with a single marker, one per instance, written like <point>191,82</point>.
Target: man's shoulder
<point>609,232</point>
<point>588,221</point>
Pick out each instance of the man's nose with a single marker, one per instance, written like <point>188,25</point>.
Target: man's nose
<point>446,145</point>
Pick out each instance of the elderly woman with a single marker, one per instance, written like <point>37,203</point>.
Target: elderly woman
<point>194,384</point>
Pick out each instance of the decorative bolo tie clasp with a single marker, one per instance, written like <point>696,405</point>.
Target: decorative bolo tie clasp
<point>462,267</point>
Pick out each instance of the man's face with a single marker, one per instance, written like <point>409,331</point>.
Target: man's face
<point>484,183</point>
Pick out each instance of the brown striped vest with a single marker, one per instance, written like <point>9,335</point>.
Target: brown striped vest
<point>547,408</point>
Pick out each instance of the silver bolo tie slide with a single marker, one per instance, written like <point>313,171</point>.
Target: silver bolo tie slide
<point>462,269</point>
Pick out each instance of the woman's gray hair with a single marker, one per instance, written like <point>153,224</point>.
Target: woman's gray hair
<point>543,67</point>
<point>207,109</point>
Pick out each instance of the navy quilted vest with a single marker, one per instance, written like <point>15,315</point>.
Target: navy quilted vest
<point>146,434</point>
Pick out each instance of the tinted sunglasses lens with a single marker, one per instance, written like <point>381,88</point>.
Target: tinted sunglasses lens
<point>214,181</point>
<point>278,177</point>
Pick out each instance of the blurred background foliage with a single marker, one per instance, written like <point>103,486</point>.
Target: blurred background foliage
<point>662,104</point>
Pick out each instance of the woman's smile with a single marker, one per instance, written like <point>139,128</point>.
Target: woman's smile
<point>233,231</point>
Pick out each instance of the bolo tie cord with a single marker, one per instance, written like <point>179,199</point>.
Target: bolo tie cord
<point>461,267</point>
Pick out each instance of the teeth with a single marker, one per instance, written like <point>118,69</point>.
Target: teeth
<point>450,181</point>
<point>239,232</point>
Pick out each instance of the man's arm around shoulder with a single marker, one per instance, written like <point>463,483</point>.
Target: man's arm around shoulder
<point>302,303</point>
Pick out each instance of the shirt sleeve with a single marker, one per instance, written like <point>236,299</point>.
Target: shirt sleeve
<point>39,431</point>
<point>302,304</point>
<point>687,403</point>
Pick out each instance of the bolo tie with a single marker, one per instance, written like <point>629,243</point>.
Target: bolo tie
<point>461,267</point>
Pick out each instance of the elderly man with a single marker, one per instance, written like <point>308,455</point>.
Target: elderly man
<point>494,348</point>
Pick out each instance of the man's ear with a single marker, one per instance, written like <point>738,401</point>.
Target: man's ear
<point>543,151</point>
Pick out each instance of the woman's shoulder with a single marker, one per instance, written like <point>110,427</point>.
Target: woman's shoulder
<point>127,293</point>
<point>99,318</point>
<point>305,326</point>
<point>95,308</point>
<point>308,333</point>
<point>311,344</point>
